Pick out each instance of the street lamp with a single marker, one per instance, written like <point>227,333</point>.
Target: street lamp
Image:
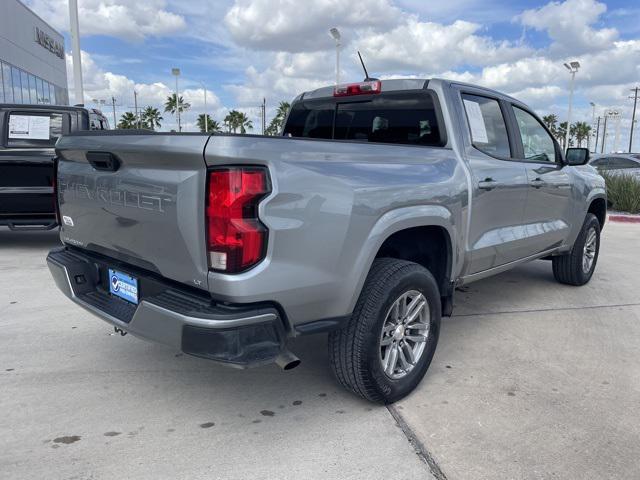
<point>176,73</point>
<point>335,33</point>
<point>593,122</point>
<point>76,53</point>
<point>607,114</point>
<point>206,116</point>
<point>573,68</point>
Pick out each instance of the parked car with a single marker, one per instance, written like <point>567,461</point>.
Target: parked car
<point>361,220</point>
<point>28,134</point>
<point>618,164</point>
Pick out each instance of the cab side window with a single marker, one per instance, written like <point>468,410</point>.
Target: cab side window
<point>487,125</point>
<point>538,145</point>
<point>601,163</point>
<point>620,162</point>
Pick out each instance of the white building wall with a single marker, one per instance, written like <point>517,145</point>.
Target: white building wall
<point>19,48</point>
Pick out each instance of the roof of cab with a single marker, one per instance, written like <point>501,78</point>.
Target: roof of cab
<point>389,85</point>
<point>395,84</point>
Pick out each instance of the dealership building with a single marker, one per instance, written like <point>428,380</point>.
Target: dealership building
<point>32,60</point>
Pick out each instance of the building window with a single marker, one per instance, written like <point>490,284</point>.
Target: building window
<point>7,84</point>
<point>33,91</point>
<point>40,90</point>
<point>17,90</point>
<point>19,86</point>
<point>24,80</point>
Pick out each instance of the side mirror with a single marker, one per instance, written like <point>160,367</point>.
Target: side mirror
<point>577,156</point>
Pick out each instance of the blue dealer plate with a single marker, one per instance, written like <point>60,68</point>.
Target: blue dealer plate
<point>123,286</point>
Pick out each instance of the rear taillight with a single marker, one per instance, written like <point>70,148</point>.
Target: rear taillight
<point>236,239</point>
<point>363,88</point>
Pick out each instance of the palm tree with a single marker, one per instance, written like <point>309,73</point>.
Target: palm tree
<point>212,125</point>
<point>238,121</point>
<point>582,132</point>
<point>275,126</point>
<point>128,120</point>
<point>561,134</point>
<point>151,118</point>
<point>170,105</point>
<point>551,121</point>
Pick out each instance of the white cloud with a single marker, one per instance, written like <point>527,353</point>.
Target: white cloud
<point>103,85</point>
<point>296,26</point>
<point>131,20</point>
<point>429,46</point>
<point>568,24</point>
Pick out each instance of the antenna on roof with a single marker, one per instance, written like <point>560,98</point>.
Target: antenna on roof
<point>366,74</point>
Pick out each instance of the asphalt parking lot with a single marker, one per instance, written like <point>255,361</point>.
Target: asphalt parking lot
<point>531,379</point>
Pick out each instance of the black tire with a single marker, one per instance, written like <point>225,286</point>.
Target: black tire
<point>568,268</point>
<point>354,350</point>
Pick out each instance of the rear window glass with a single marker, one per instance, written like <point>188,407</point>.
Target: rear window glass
<point>399,118</point>
<point>29,129</point>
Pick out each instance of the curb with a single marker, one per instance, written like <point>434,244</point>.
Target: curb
<point>624,218</point>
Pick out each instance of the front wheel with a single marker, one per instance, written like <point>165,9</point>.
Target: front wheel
<point>386,348</point>
<point>577,267</point>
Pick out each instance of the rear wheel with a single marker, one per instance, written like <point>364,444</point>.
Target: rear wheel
<point>387,346</point>
<point>577,266</point>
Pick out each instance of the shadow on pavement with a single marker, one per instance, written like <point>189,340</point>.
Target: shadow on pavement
<point>30,240</point>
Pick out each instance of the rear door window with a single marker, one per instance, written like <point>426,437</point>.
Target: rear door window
<point>487,125</point>
<point>35,129</point>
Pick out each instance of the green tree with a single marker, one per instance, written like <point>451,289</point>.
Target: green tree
<point>151,118</point>
<point>551,121</point>
<point>128,120</point>
<point>561,134</point>
<point>213,126</point>
<point>173,107</point>
<point>277,122</point>
<point>582,132</point>
<point>238,121</point>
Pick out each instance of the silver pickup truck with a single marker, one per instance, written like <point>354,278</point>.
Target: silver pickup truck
<point>378,200</point>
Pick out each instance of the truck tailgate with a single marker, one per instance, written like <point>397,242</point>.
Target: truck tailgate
<point>138,198</point>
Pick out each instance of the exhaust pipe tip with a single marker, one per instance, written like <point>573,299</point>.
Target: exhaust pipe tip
<point>287,360</point>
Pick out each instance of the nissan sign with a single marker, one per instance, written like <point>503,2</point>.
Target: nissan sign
<point>45,40</point>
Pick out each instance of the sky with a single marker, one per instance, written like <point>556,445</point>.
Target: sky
<point>245,50</point>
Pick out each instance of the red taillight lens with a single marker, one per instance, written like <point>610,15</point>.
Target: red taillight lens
<point>236,238</point>
<point>363,88</point>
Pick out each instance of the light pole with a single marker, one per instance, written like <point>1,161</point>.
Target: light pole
<point>573,68</point>
<point>593,122</point>
<point>633,116</point>
<point>176,73</point>
<point>206,115</point>
<point>607,115</point>
<point>75,45</point>
<point>616,136</point>
<point>335,33</point>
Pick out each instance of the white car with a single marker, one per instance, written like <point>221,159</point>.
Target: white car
<point>618,163</point>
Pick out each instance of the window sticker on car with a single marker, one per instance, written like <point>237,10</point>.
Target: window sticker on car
<point>476,122</point>
<point>29,127</point>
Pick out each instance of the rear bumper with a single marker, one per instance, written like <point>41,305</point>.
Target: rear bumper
<point>243,336</point>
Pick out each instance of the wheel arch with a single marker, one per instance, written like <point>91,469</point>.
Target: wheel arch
<point>598,207</point>
<point>423,234</point>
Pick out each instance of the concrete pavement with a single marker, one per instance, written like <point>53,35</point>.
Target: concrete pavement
<point>531,380</point>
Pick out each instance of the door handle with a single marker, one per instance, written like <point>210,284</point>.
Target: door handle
<point>538,183</point>
<point>487,184</point>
